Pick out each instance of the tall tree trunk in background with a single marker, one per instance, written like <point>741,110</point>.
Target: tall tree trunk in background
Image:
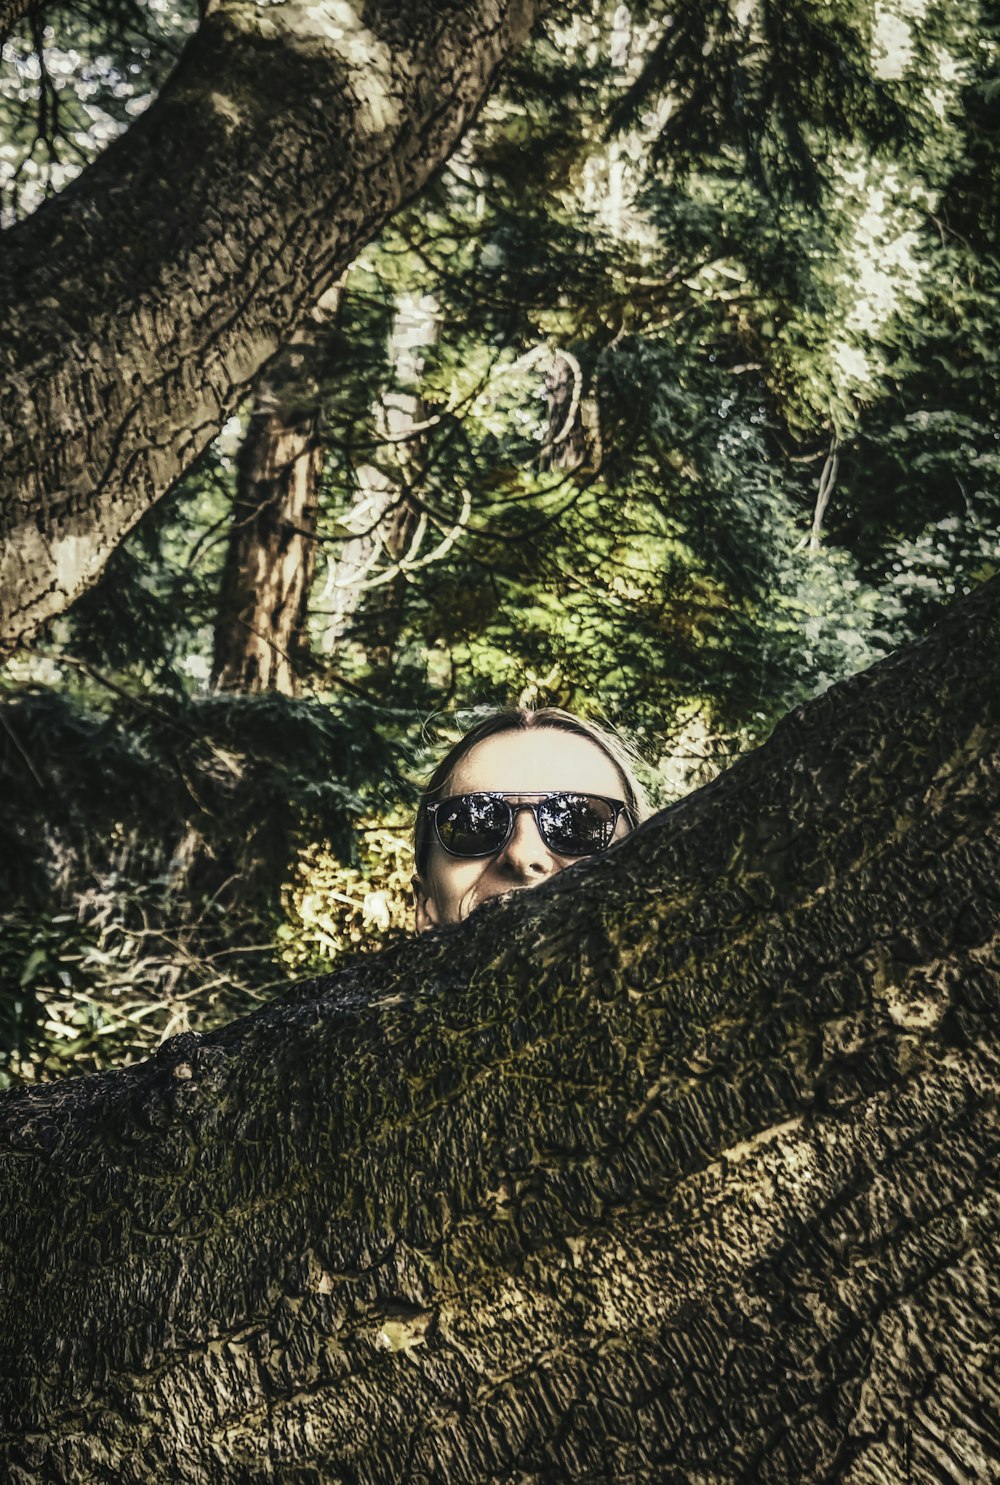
<point>385,606</point>
<point>260,633</point>
<point>140,303</point>
<point>573,436</point>
<point>364,593</point>
<point>680,1168</point>
<point>269,564</point>
<point>402,414</point>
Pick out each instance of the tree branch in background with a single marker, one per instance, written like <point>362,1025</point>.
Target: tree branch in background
<point>140,303</point>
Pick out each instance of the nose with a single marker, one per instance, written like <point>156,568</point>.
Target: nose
<point>525,856</point>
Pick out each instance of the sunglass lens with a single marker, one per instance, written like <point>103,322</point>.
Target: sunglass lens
<point>576,824</point>
<point>473,824</point>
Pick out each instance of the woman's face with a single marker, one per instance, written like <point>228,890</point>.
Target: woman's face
<point>539,758</point>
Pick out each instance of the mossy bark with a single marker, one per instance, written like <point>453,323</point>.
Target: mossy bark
<point>139,304</point>
<point>679,1168</point>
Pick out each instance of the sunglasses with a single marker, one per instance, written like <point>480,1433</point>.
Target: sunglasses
<point>569,824</point>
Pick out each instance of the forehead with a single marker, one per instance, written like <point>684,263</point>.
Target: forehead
<point>538,758</point>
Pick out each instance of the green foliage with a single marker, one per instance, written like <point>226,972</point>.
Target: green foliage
<point>72,80</point>
<point>333,907</point>
<point>758,83</point>
<point>106,982</point>
<point>144,845</point>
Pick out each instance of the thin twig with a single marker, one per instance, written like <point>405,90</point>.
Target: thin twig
<point>827,480</point>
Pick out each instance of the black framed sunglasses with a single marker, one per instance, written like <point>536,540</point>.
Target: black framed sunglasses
<point>570,824</point>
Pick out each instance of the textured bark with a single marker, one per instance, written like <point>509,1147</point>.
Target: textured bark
<point>260,632</point>
<point>270,558</point>
<point>139,304</point>
<point>680,1168</point>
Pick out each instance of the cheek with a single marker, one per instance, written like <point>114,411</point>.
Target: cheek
<point>452,877</point>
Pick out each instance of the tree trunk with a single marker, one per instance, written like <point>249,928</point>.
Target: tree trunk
<point>679,1168</point>
<point>260,633</point>
<point>270,560</point>
<point>139,304</point>
<point>400,418</point>
<point>365,591</point>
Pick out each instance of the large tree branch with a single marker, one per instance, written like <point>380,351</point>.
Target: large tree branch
<point>138,304</point>
<point>681,1168</point>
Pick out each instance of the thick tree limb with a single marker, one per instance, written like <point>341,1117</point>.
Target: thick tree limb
<point>682,1168</point>
<point>139,303</point>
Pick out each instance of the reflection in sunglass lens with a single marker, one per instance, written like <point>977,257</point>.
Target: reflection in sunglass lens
<point>473,824</point>
<point>576,824</point>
